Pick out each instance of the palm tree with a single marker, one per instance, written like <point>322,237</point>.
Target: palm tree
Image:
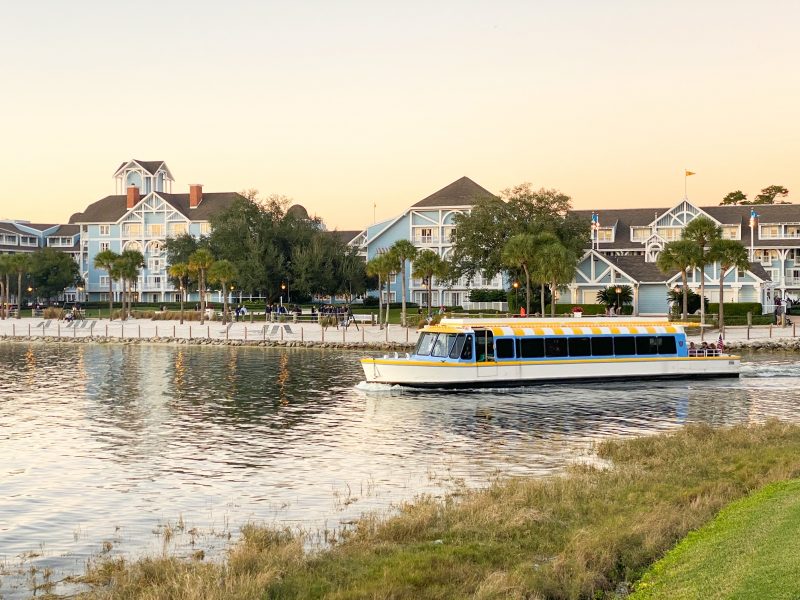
<point>129,263</point>
<point>540,270</point>
<point>222,272</point>
<point>199,263</point>
<point>20,263</point>
<point>5,272</point>
<point>702,231</point>
<point>427,266</point>
<point>679,254</point>
<point>379,267</point>
<point>403,251</point>
<point>730,255</point>
<point>392,268</point>
<point>180,271</point>
<point>609,295</point>
<point>105,260</point>
<point>557,268</point>
<point>520,253</point>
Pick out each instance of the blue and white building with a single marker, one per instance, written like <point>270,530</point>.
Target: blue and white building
<point>142,216</point>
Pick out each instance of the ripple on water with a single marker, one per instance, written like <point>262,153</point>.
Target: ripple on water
<point>115,443</point>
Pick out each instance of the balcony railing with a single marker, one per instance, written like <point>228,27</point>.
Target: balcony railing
<point>426,239</point>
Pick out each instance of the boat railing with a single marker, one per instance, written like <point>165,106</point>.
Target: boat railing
<point>704,352</point>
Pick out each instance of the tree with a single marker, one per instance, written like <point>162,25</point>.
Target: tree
<point>106,260</point>
<point>403,251</point>
<point>52,271</point>
<point>769,194</point>
<point>378,267</point>
<point>223,272</point>
<point>702,231</point>
<point>199,264</point>
<point>680,255</point>
<point>20,264</point>
<point>557,267</point>
<point>427,266</point>
<point>128,265</point>
<point>351,272</point>
<point>737,197</point>
<point>393,267</point>
<point>730,255</point>
<point>520,253</point>
<point>180,273</point>
<point>610,297</point>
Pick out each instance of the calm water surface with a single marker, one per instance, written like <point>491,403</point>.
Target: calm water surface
<point>125,450</point>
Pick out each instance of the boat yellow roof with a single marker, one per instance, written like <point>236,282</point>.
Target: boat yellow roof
<point>521,327</point>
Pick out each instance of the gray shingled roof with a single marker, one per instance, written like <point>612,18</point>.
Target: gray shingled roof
<point>346,236</point>
<point>111,208</point>
<point>647,272</point>
<point>66,230</point>
<point>462,192</point>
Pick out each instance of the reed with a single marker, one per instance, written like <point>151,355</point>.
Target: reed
<point>585,534</point>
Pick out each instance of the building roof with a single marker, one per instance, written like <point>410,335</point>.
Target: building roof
<point>151,166</point>
<point>346,236</point>
<point>648,272</point>
<point>298,211</point>
<point>462,192</point>
<point>66,230</point>
<point>111,208</point>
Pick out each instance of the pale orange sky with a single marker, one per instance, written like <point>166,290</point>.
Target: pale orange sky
<point>339,105</point>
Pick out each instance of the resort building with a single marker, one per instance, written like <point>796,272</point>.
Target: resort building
<point>428,224</point>
<point>143,218</point>
<point>623,251</point>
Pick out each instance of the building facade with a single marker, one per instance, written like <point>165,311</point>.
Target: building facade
<point>142,219</point>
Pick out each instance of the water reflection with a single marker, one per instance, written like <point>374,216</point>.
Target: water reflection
<point>106,442</point>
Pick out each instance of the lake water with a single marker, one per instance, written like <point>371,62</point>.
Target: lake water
<point>123,450</point>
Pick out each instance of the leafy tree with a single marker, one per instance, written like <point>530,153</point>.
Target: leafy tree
<point>770,193</point>
<point>702,232</point>
<point>428,265</point>
<point>223,272</point>
<point>106,260</point>
<point>351,272</point>
<point>181,247</point>
<point>403,251</point>
<point>52,271</point>
<point>5,274</point>
<point>737,197</point>
<point>179,272</point>
<point>680,254</point>
<point>199,263</point>
<point>693,298</point>
<point>520,253</point>
<point>730,255</point>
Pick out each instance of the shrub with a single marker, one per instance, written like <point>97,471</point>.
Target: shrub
<point>485,295</point>
<point>370,301</point>
<point>53,312</point>
<point>735,309</point>
<point>588,309</point>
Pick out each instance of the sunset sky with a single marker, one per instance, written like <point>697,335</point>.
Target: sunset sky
<point>340,105</point>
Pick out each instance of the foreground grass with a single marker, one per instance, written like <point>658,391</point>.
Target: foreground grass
<point>750,550</point>
<point>576,536</point>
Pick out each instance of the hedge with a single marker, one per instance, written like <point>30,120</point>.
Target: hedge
<point>735,308</point>
<point>487,295</point>
<point>588,309</point>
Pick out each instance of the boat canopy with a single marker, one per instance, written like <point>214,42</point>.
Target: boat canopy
<point>549,327</point>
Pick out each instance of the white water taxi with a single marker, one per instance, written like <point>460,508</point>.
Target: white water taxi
<point>512,352</point>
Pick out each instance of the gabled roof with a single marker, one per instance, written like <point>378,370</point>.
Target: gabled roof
<point>111,208</point>
<point>151,166</point>
<point>346,236</point>
<point>462,192</point>
<point>65,230</point>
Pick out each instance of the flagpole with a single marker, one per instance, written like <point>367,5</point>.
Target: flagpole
<point>685,184</point>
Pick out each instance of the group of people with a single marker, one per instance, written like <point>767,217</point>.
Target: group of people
<point>706,349</point>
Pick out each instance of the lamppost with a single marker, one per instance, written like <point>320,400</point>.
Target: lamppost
<point>619,306</point>
<point>515,285</point>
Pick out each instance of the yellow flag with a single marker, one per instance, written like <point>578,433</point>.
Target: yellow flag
<point>689,173</point>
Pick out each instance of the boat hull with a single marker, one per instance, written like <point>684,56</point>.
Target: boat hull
<point>414,373</point>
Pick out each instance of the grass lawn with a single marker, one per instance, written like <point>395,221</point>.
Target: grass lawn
<point>579,535</point>
<point>750,550</point>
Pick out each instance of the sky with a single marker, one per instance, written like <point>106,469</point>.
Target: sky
<point>345,105</point>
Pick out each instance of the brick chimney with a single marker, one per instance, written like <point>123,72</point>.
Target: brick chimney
<point>195,195</point>
<point>133,196</point>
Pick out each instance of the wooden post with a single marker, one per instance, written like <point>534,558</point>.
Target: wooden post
<point>226,334</point>
<point>264,331</point>
<point>190,332</point>
<point>770,330</point>
<point>106,329</point>
<point>748,332</point>
<point>208,332</point>
<point>173,331</point>
<point>323,334</point>
<point>245,331</point>
<point>386,332</point>
<point>281,326</point>
<point>362,334</point>
<point>406,333</point>
<point>139,327</point>
<point>29,329</point>
<point>122,330</point>
<point>14,329</point>
<point>74,329</point>
<point>301,335</point>
<point>794,330</point>
<point>156,330</point>
<point>344,329</point>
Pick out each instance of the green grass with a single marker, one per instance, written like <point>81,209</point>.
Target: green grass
<point>750,550</point>
<point>574,536</point>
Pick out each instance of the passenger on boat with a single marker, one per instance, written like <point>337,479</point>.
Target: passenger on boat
<point>692,349</point>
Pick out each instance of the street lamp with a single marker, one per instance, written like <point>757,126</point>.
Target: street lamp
<point>515,285</point>
<point>619,307</point>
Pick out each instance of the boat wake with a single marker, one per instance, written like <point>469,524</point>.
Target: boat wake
<point>377,388</point>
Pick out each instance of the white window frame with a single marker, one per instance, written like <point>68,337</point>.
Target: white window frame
<point>155,230</point>
<point>105,246</point>
<point>105,230</point>
<point>183,228</point>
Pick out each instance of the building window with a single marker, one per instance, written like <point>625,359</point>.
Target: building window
<point>176,229</point>
<point>155,230</point>
<point>640,234</point>
<point>105,229</point>
<point>605,234</point>
<point>104,280</point>
<point>27,240</point>
<point>154,264</point>
<point>670,234</point>
<point>793,231</point>
<point>132,229</point>
<point>8,239</point>
<point>155,249</point>
<point>205,228</point>
<point>730,232</point>
<point>769,231</point>
<point>424,235</point>
<point>105,246</point>
<point>447,233</point>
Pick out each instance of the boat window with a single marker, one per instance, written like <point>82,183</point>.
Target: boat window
<point>531,348</point>
<point>505,348</point>
<point>555,347</point>
<point>667,345</point>
<point>579,346</point>
<point>443,344</point>
<point>466,353</point>
<point>458,346</point>
<point>603,346</point>
<point>484,345</point>
<point>624,345</point>
<point>646,345</point>
<point>425,344</point>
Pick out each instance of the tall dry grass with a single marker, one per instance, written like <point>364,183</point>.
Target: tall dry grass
<point>580,535</point>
